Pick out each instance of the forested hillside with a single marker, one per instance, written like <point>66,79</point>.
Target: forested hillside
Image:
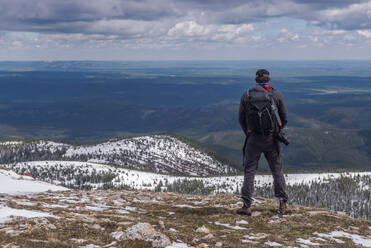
<point>157,153</point>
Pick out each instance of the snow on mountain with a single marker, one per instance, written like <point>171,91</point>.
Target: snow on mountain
<point>158,153</point>
<point>95,175</point>
<point>7,143</point>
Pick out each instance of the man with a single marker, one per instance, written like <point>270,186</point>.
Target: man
<point>260,139</point>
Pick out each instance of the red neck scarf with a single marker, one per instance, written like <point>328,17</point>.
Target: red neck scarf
<point>266,86</point>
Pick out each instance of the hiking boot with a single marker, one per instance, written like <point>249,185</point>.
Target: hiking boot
<point>244,211</point>
<point>283,207</point>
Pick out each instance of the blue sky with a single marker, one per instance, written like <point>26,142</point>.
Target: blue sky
<point>184,29</point>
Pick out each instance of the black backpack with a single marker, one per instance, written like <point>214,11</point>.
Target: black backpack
<point>261,117</point>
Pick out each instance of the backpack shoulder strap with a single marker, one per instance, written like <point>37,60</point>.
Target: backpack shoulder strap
<point>275,109</point>
<point>271,97</point>
<point>248,94</point>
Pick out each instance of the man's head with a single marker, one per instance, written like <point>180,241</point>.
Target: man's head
<point>262,76</point>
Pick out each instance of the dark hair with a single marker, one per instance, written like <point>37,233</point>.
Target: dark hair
<point>264,79</point>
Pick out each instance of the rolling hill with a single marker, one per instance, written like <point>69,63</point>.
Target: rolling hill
<point>156,153</point>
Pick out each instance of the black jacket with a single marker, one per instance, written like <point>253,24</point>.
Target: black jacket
<point>243,111</point>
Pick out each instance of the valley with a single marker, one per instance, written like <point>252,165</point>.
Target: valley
<point>91,102</point>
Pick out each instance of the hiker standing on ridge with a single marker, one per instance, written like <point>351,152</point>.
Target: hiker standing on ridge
<point>262,115</point>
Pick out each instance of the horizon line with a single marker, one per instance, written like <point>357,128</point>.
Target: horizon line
<point>164,60</point>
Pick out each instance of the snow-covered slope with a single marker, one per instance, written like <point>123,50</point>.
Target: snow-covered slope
<point>12,183</point>
<point>158,153</point>
<point>96,175</point>
<point>347,192</point>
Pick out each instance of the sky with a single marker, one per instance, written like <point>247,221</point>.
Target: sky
<point>184,29</point>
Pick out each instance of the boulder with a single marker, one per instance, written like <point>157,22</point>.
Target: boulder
<point>144,231</point>
<point>203,229</point>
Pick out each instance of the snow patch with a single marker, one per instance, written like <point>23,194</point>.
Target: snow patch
<point>185,206</point>
<point>7,214</point>
<point>12,183</point>
<point>11,143</point>
<point>306,242</point>
<point>357,239</point>
<point>178,245</point>
<point>242,222</point>
<point>269,243</point>
<point>229,226</point>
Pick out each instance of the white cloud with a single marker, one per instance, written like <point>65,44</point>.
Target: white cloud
<point>188,29</point>
<point>349,17</point>
<point>365,33</point>
<point>284,30</point>
<point>183,24</point>
<point>295,37</point>
<point>333,32</point>
<point>287,36</point>
<point>193,30</point>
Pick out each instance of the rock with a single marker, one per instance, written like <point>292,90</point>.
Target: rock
<point>41,221</point>
<point>209,236</point>
<point>162,224</point>
<point>144,231</point>
<point>203,229</point>
<point>51,227</point>
<point>128,217</point>
<point>218,244</point>
<point>202,245</point>
<point>195,240</point>
<point>255,213</point>
<point>105,220</point>
<point>96,226</point>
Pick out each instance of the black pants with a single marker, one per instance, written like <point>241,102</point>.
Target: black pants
<point>255,146</point>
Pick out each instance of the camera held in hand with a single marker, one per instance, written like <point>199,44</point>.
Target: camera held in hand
<point>280,136</point>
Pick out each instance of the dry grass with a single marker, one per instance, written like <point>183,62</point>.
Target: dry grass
<point>77,222</point>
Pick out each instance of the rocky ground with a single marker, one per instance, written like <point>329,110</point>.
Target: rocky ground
<point>142,219</point>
